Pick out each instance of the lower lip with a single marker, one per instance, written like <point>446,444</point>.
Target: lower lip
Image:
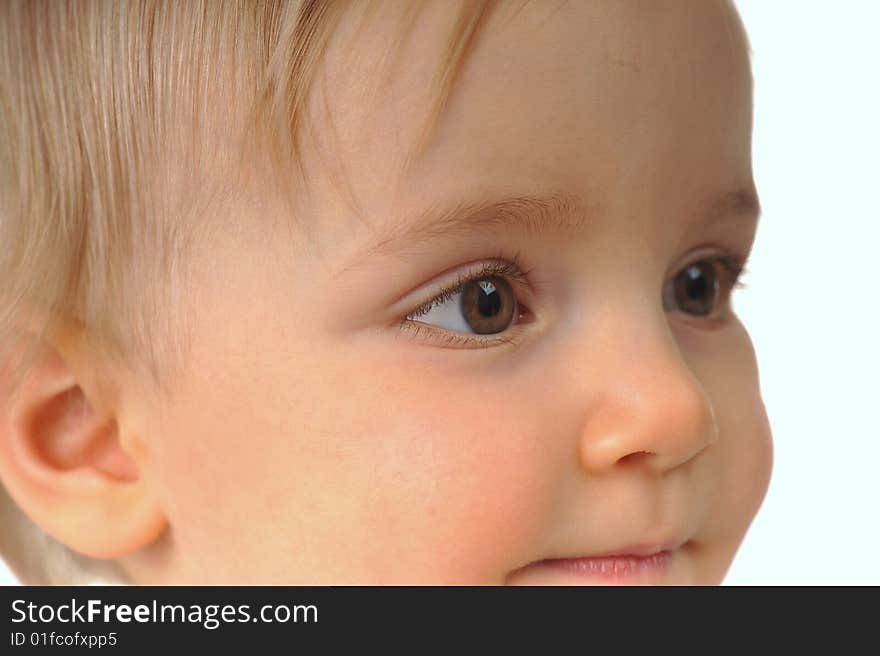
<point>613,569</point>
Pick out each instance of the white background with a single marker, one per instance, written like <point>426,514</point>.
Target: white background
<point>812,303</point>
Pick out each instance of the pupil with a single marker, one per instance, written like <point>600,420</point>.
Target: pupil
<point>696,284</point>
<point>489,301</point>
<point>696,289</point>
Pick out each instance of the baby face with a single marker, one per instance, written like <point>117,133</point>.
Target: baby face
<point>509,360</point>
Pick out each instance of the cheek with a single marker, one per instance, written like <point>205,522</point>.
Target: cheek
<point>746,455</point>
<point>217,472</point>
<point>402,476</point>
<point>458,474</point>
<point>741,461</point>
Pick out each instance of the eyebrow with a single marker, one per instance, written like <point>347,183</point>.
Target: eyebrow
<point>564,214</point>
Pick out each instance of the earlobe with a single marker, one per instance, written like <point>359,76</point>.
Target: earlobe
<point>64,464</point>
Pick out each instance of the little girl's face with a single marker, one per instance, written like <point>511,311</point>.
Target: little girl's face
<point>586,391</point>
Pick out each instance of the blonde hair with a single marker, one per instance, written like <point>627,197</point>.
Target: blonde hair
<point>104,164</point>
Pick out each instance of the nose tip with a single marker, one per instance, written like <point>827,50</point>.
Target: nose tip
<point>659,425</point>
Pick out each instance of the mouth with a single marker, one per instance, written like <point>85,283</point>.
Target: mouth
<point>634,565</point>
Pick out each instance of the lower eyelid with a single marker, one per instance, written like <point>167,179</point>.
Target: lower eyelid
<point>462,341</point>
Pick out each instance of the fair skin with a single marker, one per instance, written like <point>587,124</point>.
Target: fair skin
<point>313,440</point>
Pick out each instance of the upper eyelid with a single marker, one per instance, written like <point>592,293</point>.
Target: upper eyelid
<point>511,270</point>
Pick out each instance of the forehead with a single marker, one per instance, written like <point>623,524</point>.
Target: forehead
<point>607,100</point>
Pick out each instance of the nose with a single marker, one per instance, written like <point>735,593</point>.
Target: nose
<point>650,411</point>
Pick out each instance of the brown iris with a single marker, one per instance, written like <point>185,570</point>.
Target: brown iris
<point>696,289</point>
<point>488,304</point>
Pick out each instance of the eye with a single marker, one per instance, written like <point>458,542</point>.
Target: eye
<point>702,287</point>
<point>483,305</point>
<point>483,302</point>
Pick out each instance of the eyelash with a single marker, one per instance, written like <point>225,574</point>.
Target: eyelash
<point>736,268</point>
<point>513,270</point>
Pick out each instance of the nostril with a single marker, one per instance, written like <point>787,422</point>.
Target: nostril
<point>635,458</point>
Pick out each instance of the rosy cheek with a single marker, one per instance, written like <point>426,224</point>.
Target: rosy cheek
<point>741,470</point>
<point>750,456</point>
<point>481,477</point>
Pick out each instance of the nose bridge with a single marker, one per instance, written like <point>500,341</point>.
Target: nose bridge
<point>649,406</point>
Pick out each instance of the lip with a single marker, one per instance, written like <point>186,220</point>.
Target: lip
<point>613,568</point>
<point>640,549</point>
<point>641,563</point>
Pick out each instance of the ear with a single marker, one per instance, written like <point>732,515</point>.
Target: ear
<point>67,465</point>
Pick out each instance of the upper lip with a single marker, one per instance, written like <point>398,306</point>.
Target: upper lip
<point>641,549</point>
